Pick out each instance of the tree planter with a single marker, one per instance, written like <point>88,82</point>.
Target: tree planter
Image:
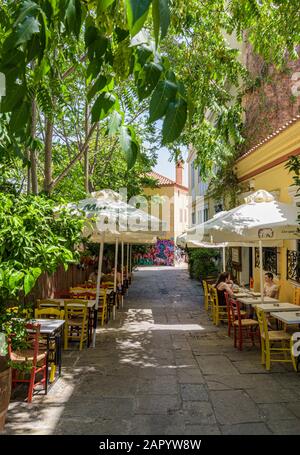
<point>5,390</point>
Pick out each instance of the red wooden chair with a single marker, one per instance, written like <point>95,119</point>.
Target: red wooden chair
<point>242,328</point>
<point>30,361</point>
<point>229,315</point>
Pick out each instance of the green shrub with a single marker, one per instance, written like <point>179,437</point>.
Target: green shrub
<point>203,262</point>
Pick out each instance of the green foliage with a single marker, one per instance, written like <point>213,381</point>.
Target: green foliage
<point>203,262</point>
<point>33,240</point>
<point>293,165</point>
<point>224,185</point>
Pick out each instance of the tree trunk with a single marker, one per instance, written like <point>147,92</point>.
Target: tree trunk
<point>86,152</point>
<point>28,172</point>
<point>48,155</point>
<point>33,153</point>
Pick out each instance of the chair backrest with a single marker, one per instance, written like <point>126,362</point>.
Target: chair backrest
<point>262,322</point>
<point>49,313</point>
<point>214,294</point>
<point>32,341</point>
<point>44,303</point>
<point>227,300</point>
<point>235,311</point>
<point>76,309</point>
<point>205,288</point>
<point>297,296</point>
<point>107,285</point>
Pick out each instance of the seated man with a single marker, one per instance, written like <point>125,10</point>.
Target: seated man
<point>270,288</point>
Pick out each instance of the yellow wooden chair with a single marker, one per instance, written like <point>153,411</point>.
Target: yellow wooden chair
<point>102,309</point>
<point>47,303</point>
<point>297,296</point>
<point>270,341</point>
<point>76,322</point>
<point>49,313</point>
<point>219,311</point>
<point>207,296</point>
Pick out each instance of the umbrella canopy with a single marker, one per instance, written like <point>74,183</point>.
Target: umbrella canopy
<point>111,216</point>
<point>261,217</point>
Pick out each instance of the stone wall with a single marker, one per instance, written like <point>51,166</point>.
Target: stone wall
<point>270,103</point>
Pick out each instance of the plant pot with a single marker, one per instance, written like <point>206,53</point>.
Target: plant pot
<point>5,390</point>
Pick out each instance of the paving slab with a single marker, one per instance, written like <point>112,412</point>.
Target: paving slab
<point>234,407</point>
<point>163,368</point>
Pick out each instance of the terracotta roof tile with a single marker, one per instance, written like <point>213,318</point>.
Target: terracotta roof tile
<point>162,180</point>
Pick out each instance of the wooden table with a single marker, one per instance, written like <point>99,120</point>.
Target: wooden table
<point>52,328</point>
<point>256,300</point>
<point>288,317</point>
<point>279,307</point>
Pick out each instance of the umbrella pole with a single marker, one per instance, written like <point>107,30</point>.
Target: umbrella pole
<point>122,271</point>
<point>98,290</point>
<point>115,277</point>
<point>261,270</point>
<point>127,265</point>
<point>224,259</point>
<point>130,261</point>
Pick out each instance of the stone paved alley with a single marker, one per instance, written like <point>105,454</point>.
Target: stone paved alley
<point>163,368</point>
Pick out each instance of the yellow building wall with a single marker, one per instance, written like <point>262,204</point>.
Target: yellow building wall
<point>277,179</point>
<point>166,215</point>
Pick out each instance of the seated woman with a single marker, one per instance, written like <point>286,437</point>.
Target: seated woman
<point>93,275</point>
<point>270,288</point>
<point>224,284</point>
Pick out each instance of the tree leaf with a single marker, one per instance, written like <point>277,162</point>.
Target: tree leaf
<point>102,106</point>
<point>14,95</point>
<point>99,84</point>
<point>114,123</point>
<point>30,279</point>
<point>164,17</point>
<point>164,92</point>
<point>174,121</point>
<point>14,281</point>
<point>19,117</point>
<point>73,16</point>
<point>28,8</point>
<point>104,4</point>
<point>137,11</point>
<point>129,146</point>
<point>156,20</point>
<point>26,29</point>
<point>152,72</point>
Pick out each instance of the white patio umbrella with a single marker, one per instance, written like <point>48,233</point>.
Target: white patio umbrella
<point>110,219</point>
<point>260,220</point>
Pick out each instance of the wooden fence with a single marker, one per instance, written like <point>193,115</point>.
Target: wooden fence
<point>47,285</point>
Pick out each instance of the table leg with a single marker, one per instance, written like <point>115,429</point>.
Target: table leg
<point>47,364</point>
<point>59,345</point>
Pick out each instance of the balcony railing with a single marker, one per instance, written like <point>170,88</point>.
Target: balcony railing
<point>270,259</point>
<point>293,265</point>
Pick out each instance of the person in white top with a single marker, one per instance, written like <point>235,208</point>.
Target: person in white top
<point>270,288</point>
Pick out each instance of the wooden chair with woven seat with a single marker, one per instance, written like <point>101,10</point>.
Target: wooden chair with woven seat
<point>243,328</point>
<point>207,296</point>
<point>269,343</point>
<point>229,315</point>
<point>297,296</point>
<point>76,322</point>
<point>31,361</point>
<point>102,308</point>
<point>47,303</point>
<point>219,311</point>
